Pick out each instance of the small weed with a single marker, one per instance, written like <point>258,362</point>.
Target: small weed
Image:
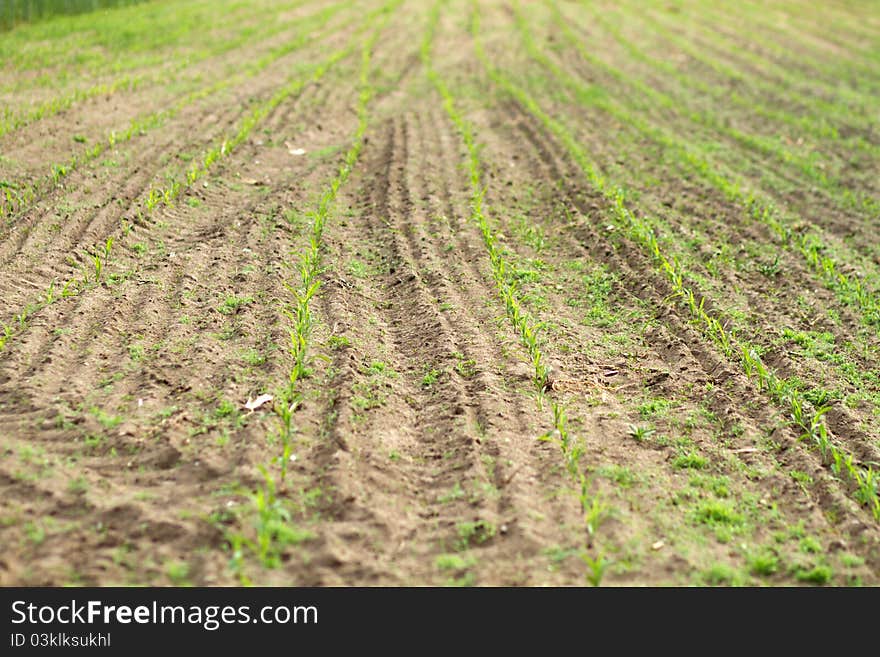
<point>177,571</point>
<point>430,378</point>
<point>654,408</point>
<point>473,533</point>
<point>135,352</point>
<point>770,269</point>
<point>720,575</point>
<point>447,562</point>
<point>35,533</point>
<point>640,433</point>
<point>254,358</point>
<point>78,485</point>
<point>763,563</point>
<point>691,460</point>
<point>225,409</point>
<point>810,545</point>
<point>105,419</point>
<point>455,493</point>
<point>231,304</point>
<point>337,342</point>
<point>357,269</point>
<point>717,512</point>
<point>466,367</point>
<point>819,574</point>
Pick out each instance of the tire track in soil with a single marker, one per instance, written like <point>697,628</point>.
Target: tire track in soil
<point>472,418</point>
<point>532,468</point>
<point>684,349</point>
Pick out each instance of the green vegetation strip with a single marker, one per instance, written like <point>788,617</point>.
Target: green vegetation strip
<point>572,448</point>
<point>27,11</point>
<point>803,416</point>
<point>806,241</point>
<point>16,198</point>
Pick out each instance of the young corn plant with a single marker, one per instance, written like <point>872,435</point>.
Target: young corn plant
<point>4,338</point>
<point>596,568</point>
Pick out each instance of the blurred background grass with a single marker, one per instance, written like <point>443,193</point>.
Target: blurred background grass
<point>13,12</point>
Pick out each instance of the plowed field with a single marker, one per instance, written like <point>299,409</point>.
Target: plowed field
<point>428,293</point>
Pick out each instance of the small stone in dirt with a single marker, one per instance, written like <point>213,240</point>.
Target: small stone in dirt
<point>658,545</point>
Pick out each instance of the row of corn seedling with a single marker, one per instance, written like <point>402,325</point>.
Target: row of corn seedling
<point>572,448</point>
<point>272,521</point>
<point>807,419</point>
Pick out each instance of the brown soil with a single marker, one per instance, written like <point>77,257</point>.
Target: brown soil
<point>128,456</point>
